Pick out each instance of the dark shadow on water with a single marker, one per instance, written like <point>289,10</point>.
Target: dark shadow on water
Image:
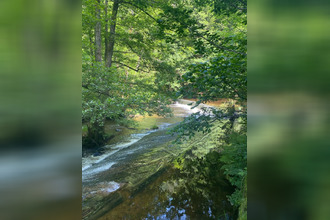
<point>164,198</point>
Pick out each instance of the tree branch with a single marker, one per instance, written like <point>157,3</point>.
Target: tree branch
<point>218,46</point>
<point>129,67</point>
<point>129,3</point>
<point>106,93</point>
<point>116,51</point>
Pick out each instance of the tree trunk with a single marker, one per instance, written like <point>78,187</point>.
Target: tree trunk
<point>91,44</point>
<point>106,29</point>
<point>98,39</point>
<point>111,42</point>
<point>126,71</point>
<point>138,64</point>
<point>95,136</point>
<point>91,47</point>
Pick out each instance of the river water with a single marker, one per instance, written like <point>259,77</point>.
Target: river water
<point>124,182</point>
<point>94,165</point>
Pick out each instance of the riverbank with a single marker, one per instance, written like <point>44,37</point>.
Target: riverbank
<point>151,176</point>
<point>119,132</point>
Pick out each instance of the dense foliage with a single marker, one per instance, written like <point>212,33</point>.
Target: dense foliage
<point>140,55</point>
<point>128,68</point>
<point>220,73</point>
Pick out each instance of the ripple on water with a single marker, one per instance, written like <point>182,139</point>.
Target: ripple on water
<point>90,161</point>
<point>89,172</point>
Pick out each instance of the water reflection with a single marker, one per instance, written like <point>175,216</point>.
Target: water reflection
<point>156,202</point>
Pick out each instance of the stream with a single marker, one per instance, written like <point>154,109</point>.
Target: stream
<point>127,180</point>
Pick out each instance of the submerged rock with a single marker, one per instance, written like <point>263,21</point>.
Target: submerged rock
<point>97,154</point>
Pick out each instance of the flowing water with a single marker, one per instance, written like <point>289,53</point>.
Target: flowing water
<point>124,181</point>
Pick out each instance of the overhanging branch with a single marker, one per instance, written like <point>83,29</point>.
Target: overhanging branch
<point>130,67</point>
<point>129,3</point>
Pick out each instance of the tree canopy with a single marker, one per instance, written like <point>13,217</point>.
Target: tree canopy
<point>139,56</point>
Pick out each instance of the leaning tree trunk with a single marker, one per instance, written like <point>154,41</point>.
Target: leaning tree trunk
<point>111,42</point>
